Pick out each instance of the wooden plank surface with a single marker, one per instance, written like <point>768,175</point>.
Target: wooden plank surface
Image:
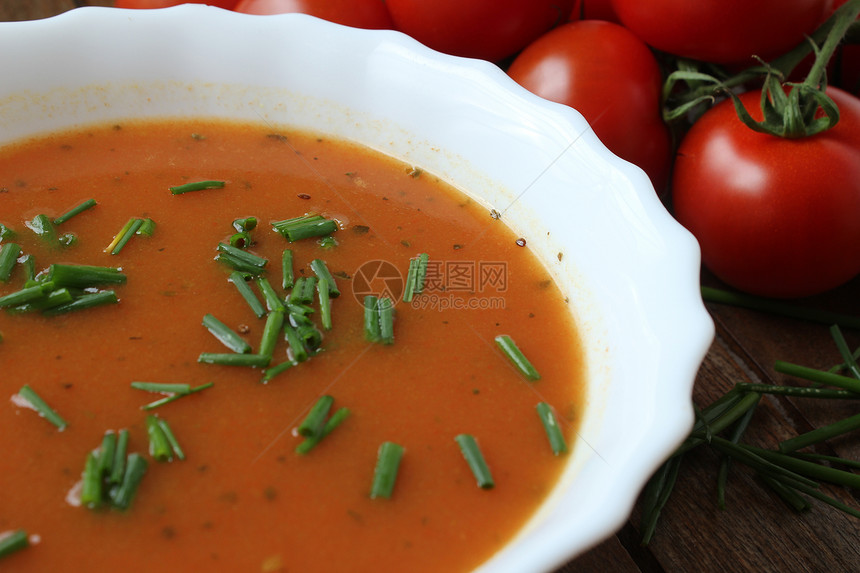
<point>756,532</point>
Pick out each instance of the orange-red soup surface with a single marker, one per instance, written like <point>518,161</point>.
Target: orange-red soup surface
<point>243,500</point>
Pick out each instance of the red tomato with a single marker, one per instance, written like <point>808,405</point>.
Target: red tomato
<point>774,217</point>
<point>594,10</point>
<point>607,74</point>
<point>228,4</point>
<point>487,29</point>
<point>370,14</point>
<point>722,31</point>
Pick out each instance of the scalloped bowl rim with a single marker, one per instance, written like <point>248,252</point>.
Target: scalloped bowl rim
<point>630,269</point>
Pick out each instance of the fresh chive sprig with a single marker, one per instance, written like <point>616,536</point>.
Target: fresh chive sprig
<point>39,405</point>
<point>517,358</point>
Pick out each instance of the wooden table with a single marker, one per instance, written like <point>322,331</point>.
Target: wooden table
<point>756,531</point>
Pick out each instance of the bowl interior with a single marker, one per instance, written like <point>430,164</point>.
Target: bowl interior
<point>594,220</point>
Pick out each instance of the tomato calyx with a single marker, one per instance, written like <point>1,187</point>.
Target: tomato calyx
<point>790,109</point>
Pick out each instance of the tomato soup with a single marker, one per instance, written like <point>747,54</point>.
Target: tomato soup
<point>243,499</point>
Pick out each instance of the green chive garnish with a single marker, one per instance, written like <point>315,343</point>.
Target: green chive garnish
<point>171,438</point>
<point>333,422</point>
<point>517,358</point>
<point>44,228</point>
<point>325,303</point>
<point>386,320</point>
<point>89,203</point>
<point>371,318</point>
<point>26,295</point>
<point>273,371</point>
<point>240,240</point>
<point>162,387</point>
<point>472,453</point>
<point>171,398</point>
<point>159,446</point>
<point>52,299</point>
<point>297,350</point>
<point>253,360</point>
<point>34,400</point>
<point>553,431</point>
<point>387,466</point>
<point>245,224</point>
<point>135,468</point>
<point>226,335</point>
<point>313,423</point>
<point>91,487</point>
<point>247,293</point>
<point>119,458</point>
<point>287,276</point>
<point>83,276</point>
<point>273,301</point>
<point>820,434</point>
<point>319,268</point>
<point>415,277</point>
<point>305,227</point>
<point>240,260</point>
<point>6,232</point>
<point>13,541</point>
<point>107,453</point>
<point>271,333</point>
<point>84,301</point>
<point>9,253</point>
<point>196,186</point>
<point>147,227</point>
<point>303,290</point>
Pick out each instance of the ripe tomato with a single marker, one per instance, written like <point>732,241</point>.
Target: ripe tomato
<point>487,29</point>
<point>722,31</point>
<point>607,74</point>
<point>774,217</point>
<point>228,4</point>
<point>370,14</point>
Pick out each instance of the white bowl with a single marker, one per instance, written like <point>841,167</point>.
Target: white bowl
<point>631,270</point>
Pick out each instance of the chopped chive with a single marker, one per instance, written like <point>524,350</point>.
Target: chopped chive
<point>168,399</point>
<point>196,186</point>
<point>800,391</point>
<point>303,290</point>
<point>553,431</point>
<point>123,232</point>
<point>159,446</point>
<point>67,239</point>
<point>8,257</point>
<point>243,255</point>
<point>135,468</point>
<point>13,541</point>
<point>241,240</point>
<point>247,293</point>
<point>238,264</point>
<point>225,335</point>
<point>245,224</point>
<point>297,350</point>
<point>371,318</point>
<point>162,387</point>
<point>385,473</point>
<point>272,372</point>
<point>319,268</point>
<point>6,232</point>
<point>50,300</point>
<point>778,307</point>
<point>273,301</point>
<point>472,453</point>
<point>125,237</point>
<point>298,314</point>
<point>287,276</point>
<point>119,458</point>
<point>656,493</point>
<point>29,264</point>
<point>147,227</point>
<point>26,295</point>
<point>107,452</point>
<point>333,422</point>
<point>253,360</point>
<point>386,320</point>
<point>271,333</point>
<point>325,303</point>
<point>91,487</point>
<point>310,336</point>
<point>313,423</point>
<point>415,277</point>
<point>517,358</point>
<point>845,352</point>
<point>820,434</point>
<point>77,210</point>
<point>83,276</point>
<point>45,411</point>
<point>305,227</point>
<point>84,301</point>
<point>823,377</point>
<point>327,242</point>
<point>44,228</point>
<point>171,438</point>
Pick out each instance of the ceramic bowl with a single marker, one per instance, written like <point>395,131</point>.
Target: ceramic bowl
<point>630,270</point>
